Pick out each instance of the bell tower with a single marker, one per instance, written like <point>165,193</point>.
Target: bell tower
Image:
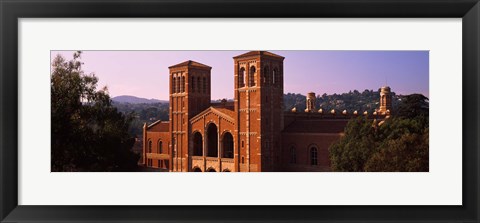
<point>310,102</point>
<point>385,100</point>
<point>189,95</point>
<point>258,102</point>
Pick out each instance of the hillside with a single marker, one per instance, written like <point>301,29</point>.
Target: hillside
<point>135,100</point>
<point>368,100</point>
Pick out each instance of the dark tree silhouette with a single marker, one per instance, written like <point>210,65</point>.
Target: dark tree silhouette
<point>413,106</point>
<point>88,133</point>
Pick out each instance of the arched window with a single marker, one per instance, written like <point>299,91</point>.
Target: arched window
<point>196,169</point>
<point>227,145</point>
<point>204,85</point>
<point>193,84</point>
<point>274,76</point>
<point>199,85</point>
<point>251,77</point>
<point>212,140</point>
<point>149,146</point>
<point>178,85</point>
<point>293,155</point>
<point>313,156</point>
<point>183,84</point>
<point>241,77</point>
<point>208,86</point>
<point>265,75</point>
<point>211,170</point>
<point>174,84</point>
<point>160,149</point>
<point>197,144</point>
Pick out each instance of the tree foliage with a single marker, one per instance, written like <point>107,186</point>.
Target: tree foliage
<point>88,133</point>
<point>413,106</point>
<point>400,143</point>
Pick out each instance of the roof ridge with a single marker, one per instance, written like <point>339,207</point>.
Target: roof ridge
<point>258,53</point>
<point>211,108</point>
<point>188,63</point>
<point>154,123</point>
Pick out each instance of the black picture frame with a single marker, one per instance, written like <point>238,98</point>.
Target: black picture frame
<point>11,11</point>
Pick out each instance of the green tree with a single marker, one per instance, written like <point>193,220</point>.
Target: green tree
<point>88,133</point>
<point>355,148</point>
<point>400,143</point>
<point>409,153</point>
<point>413,106</point>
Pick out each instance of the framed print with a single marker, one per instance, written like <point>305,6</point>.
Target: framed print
<point>239,111</point>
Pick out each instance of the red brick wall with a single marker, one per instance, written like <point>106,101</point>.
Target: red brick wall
<point>152,159</point>
<point>302,142</point>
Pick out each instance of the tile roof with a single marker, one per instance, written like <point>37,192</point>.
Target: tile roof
<point>159,126</point>
<point>258,53</point>
<point>317,126</point>
<point>190,63</point>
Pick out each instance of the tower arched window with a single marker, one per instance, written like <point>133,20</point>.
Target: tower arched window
<point>160,149</point>
<point>174,84</point>
<point>293,155</point>
<point>274,76</point>
<point>313,156</point>
<point>178,85</point>
<point>193,84</point>
<point>251,77</point>
<point>208,85</point>
<point>183,84</point>
<point>149,146</point>
<point>266,75</point>
<point>204,85</point>
<point>199,85</point>
<point>241,77</point>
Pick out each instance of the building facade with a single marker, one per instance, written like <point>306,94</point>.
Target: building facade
<point>251,134</point>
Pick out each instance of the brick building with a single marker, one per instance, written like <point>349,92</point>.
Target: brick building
<point>251,134</point>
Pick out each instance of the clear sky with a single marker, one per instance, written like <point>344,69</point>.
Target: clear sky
<point>145,73</point>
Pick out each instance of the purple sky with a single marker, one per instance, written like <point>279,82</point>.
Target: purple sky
<point>145,73</point>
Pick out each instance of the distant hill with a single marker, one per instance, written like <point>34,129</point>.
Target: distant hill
<point>136,100</point>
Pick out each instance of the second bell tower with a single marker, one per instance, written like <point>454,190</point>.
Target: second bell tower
<point>259,109</point>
